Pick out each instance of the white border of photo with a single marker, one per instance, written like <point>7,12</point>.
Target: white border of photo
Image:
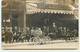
<point>78,50</point>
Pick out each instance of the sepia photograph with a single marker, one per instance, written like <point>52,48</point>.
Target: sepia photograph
<point>40,24</point>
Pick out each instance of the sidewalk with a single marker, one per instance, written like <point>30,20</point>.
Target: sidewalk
<point>55,44</point>
<point>34,43</point>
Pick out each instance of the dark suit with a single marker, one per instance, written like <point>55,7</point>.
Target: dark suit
<point>8,36</point>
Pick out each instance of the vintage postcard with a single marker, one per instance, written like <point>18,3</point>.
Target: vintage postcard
<point>40,24</point>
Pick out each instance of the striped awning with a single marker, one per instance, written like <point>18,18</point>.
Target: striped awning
<point>49,11</point>
<point>33,8</point>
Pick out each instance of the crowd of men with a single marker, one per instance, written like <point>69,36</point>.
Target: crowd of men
<point>54,33</point>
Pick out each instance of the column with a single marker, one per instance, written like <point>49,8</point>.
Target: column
<point>24,17</point>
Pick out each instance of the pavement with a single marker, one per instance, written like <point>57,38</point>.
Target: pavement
<point>55,44</point>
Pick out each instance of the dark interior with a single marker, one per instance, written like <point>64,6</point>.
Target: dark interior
<point>47,19</point>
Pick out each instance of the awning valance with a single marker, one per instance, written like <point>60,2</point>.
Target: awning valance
<point>31,9</point>
<point>49,11</point>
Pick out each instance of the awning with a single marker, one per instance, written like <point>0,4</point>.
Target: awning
<point>49,11</point>
<point>33,8</point>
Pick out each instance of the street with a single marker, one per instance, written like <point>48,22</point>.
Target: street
<point>56,44</point>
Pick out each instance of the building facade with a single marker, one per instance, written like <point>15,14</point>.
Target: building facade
<point>13,13</point>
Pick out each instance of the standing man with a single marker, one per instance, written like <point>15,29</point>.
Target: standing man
<point>59,32</point>
<point>28,34</point>
<point>44,31</point>
<point>15,37</point>
<point>8,36</point>
<point>54,30</point>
